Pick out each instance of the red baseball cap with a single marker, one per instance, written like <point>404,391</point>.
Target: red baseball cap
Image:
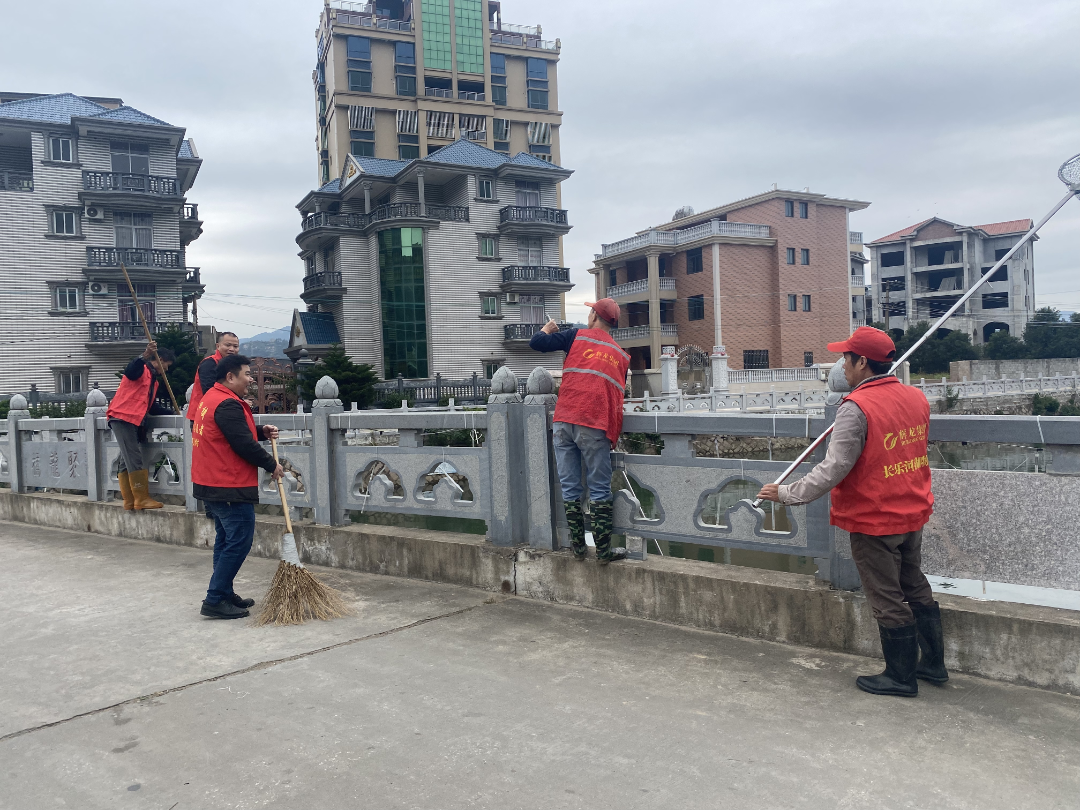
<point>607,309</point>
<point>867,342</point>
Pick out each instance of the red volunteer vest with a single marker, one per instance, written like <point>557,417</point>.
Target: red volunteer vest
<point>196,387</point>
<point>213,461</point>
<point>132,399</point>
<point>594,383</point>
<point>888,489</point>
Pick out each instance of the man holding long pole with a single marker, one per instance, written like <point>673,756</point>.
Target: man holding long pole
<point>878,471</point>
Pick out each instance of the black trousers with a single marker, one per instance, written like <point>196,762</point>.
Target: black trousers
<point>891,573</point>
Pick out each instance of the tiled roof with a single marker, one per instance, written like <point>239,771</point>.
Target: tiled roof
<point>319,328</point>
<point>525,159</point>
<point>55,109</point>
<point>130,115</point>
<point>61,108</point>
<point>380,167</point>
<point>892,237</point>
<point>333,187</point>
<point>185,150</point>
<point>1012,226</point>
<point>463,152</point>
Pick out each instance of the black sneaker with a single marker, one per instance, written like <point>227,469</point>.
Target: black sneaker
<point>223,610</point>
<point>614,555</point>
<point>241,602</point>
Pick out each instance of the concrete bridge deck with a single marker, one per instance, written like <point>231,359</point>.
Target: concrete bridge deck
<point>117,694</point>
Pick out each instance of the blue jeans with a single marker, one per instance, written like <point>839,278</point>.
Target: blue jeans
<point>235,523</point>
<point>576,445</point>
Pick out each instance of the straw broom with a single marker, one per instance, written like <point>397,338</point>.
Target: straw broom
<point>296,595</point>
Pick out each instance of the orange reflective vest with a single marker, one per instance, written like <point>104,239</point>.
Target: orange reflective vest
<point>888,489</point>
<point>196,387</point>
<point>213,461</point>
<point>594,383</point>
<point>133,398</point>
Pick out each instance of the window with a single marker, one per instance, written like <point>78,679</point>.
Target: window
<point>432,148</point>
<point>537,69</point>
<point>789,208</point>
<point>694,262</point>
<point>405,53</point>
<point>532,309</point>
<point>893,259</point>
<point>500,129</point>
<point>490,367</point>
<point>403,297</point>
<point>538,99</point>
<point>695,308</point>
<point>804,210</point>
<point>408,123</point>
<point>469,25</point>
<point>755,358</point>
<point>485,188</point>
<point>440,124</point>
<point>309,265</point>
<point>806,303</point>
<point>147,301</point>
<point>362,148</point>
<point>69,382</point>
<point>807,359</point>
<point>67,299</point>
<point>130,158</point>
<point>359,48</point>
<point>530,251</point>
<point>133,230</point>
<point>489,247</point>
<point>498,94</point>
<point>63,223</point>
<point>360,82</point>
<point>999,254</point>
<point>498,64</point>
<point>791,255</point>
<point>995,300</point>
<point>489,306</point>
<point>406,152</point>
<point>539,134</point>
<point>60,149</point>
<point>613,277</point>
<point>1001,275</point>
<point>359,64</point>
<point>406,85</point>
<point>328,259</point>
<point>793,303</point>
<point>527,193</point>
<point>804,256</point>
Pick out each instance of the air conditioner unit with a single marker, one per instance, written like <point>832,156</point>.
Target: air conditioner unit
<point>511,298</point>
<point>94,212</point>
<point>99,288</point>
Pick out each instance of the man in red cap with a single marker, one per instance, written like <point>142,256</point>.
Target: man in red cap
<point>588,421</point>
<point>879,474</point>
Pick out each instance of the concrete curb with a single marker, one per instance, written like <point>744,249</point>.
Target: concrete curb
<point>1022,644</point>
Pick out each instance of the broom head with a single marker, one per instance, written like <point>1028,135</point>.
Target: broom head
<point>296,595</point>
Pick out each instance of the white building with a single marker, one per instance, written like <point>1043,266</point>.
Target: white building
<point>442,265</point>
<point>921,271</point>
<point>85,184</point>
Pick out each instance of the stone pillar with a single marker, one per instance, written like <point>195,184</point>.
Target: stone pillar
<point>718,338</point>
<point>18,411</point>
<point>97,476</point>
<point>655,338</point>
<point>669,373</point>
<point>719,360</point>
<point>367,196</point>
<point>420,191</point>
<point>324,442</point>
<point>191,504</point>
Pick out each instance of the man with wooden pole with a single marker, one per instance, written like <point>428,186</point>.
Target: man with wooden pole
<point>879,474</point>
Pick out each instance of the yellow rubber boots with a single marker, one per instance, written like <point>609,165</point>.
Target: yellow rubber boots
<point>125,490</point>
<point>140,489</point>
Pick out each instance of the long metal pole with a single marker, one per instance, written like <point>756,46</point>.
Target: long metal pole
<point>149,339</point>
<point>952,310</point>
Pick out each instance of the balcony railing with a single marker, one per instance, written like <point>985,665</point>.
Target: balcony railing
<point>532,213</point>
<point>318,281</point>
<point>193,276</point>
<point>190,211</point>
<point>527,30</point>
<point>133,257</point>
<point>854,237</point>
<point>638,287</point>
<point>639,332</point>
<point>536,273</point>
<point>438,92</point>
<point>713,227</point>
<point>363,14</point>
<point>523,41</point>
<point>468,95</point>
<point>447,213</point>
<point>120,331</point>
<point>16,181</point>
<point>474,135</point>
<point>130,183</point>
<point>521,331</point>
<point>858,281</point>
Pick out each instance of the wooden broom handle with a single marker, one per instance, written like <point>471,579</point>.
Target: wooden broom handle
<point>281,490</point>
<point>149,339</point>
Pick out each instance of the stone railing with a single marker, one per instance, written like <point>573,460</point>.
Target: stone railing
<point>133,183</point>
<point>1000,388</point>
<point>134,257</point>
<point>16,181</point>
<point>447,213</point>
<point>638,287</point>
<point>715,401</point>
<point>505,477</point>
<point>855,237</point>
<point>714,227</point>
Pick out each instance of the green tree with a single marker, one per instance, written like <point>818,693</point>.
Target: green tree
<point>1047,335</point>
<point>356,381</point>
<point>188,356</point>
<point>941,349</point>
<point>1003,346</point>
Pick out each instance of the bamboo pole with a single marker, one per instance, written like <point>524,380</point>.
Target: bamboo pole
<point>149,338</point>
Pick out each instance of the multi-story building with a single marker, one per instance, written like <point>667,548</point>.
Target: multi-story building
<point>400,79</point>
<point>862,311</point>
<point>85,185</point>
<point>442,265</point>
<point>777,264</point>
<point>921,271</point>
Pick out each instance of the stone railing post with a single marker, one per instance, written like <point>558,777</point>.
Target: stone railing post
<point>324,444</point>
<point>509,471</point>
<point>191,504</point>
<point>719,360</point>
<point>97,473</point>
<point>543,479</point>
<point>17,412</point>
<point>669,374</point>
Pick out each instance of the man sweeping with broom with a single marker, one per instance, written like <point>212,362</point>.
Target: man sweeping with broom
<point>225,461</point>
<point>877,469</point>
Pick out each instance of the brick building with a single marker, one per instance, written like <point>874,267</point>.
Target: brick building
<point>780,261</point>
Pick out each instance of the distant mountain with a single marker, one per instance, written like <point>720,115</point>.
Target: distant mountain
<point>277,334</point>
<point>266,344</point>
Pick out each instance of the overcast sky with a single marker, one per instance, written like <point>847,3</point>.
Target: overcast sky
<point>958,108</point>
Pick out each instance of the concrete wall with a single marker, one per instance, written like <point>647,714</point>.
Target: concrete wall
<point>975,370</point>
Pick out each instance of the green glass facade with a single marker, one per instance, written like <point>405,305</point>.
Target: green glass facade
<point>436,16</point>
<point>404,310</point>
<point>469,24</point>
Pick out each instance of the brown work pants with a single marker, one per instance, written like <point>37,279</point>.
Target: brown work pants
<point>889,567</point>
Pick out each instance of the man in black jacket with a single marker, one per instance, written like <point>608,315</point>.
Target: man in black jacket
<point>225,461</point>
